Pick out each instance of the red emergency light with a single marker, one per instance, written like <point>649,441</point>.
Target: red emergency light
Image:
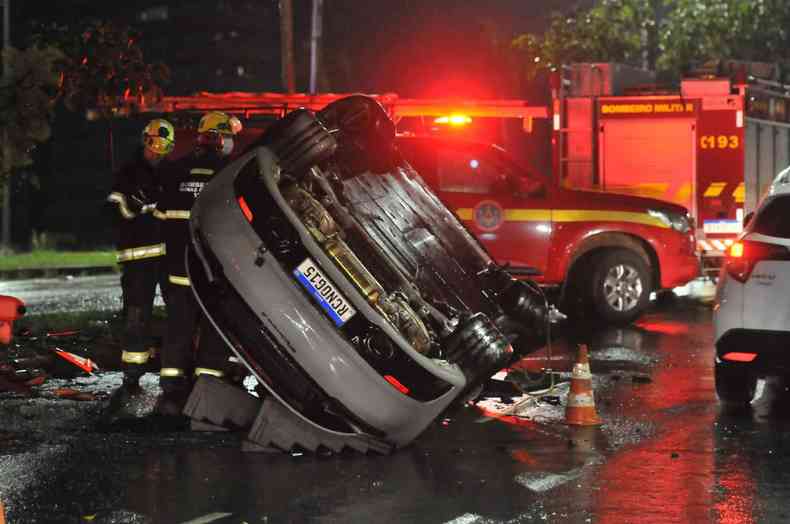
<point>453,120</point>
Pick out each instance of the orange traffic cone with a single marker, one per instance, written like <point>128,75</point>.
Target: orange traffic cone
<point>2,513</point>
<point>83,363</point>
<point>580,410</point>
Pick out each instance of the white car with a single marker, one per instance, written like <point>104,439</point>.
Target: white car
<point>752,309</point>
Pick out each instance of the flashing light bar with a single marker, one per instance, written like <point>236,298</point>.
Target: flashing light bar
<point>453,120</point>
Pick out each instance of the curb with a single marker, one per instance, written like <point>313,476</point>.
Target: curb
<point>52,272</point>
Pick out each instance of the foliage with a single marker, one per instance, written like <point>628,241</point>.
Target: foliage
<point>614,30</point>
<point>697,31</point>
<point>44,259</point>
<point>103,67</point>
<point>684,32</point>
<point>26,101</point>
<point>99,69</point>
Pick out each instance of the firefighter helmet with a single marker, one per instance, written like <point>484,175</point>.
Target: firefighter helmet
<point>218,122</point>
<point>159,136</point>
<point>235,125</point>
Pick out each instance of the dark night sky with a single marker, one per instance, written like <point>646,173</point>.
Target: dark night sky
<point>415,48</point>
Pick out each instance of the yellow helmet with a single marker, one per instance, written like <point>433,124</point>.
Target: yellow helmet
<point>218,122</point>
<point>159,136</point>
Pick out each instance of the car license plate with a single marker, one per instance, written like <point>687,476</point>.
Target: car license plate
<point>324,292</point>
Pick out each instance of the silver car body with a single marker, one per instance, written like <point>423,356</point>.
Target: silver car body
<point>294,322</point>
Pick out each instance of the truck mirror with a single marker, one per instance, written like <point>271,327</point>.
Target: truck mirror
<point>748,218</point>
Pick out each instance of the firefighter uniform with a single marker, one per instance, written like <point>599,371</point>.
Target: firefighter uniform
<point>184,182</point>
<point>141,255</point>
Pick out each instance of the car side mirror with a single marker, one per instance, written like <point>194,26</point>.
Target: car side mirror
<point>748,218</point>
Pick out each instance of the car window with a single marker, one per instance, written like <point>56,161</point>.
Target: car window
<point>774,219</point>
<point>461,171</point>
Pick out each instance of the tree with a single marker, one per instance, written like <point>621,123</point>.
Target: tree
<point>614,30</point>
<point>697,31</point>
<point>99,70</point>
<point>26,103</point>
<point>670,35</point>
<point>27,91</point>
<point>103,68</point>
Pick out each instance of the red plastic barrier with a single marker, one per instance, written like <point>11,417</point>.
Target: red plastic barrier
<point>11,309</point>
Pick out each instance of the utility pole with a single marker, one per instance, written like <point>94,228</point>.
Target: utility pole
<point>6,234</point>
<point>316,32</point>
<point>287,44</point>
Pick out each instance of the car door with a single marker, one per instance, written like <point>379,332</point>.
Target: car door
<point>504,206</point>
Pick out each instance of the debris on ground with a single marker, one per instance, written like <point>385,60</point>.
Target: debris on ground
<point>85,364</point>
<point>73,394</point>
<point>641,378</point>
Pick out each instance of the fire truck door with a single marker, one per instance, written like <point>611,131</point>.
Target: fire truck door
<point>652,158</point>
<point>504,206</point>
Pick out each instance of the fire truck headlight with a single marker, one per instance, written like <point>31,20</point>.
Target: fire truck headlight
<point>678,222</point>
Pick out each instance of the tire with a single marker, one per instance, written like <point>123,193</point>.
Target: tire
<point>735,384</point>
<point>619,287</point>
<point>300,141</point>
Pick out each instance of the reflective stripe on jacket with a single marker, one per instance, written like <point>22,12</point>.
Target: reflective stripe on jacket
<point>139,253</point>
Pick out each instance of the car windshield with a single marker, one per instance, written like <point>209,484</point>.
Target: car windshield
<point>774,219</point>
<point>474,168</point>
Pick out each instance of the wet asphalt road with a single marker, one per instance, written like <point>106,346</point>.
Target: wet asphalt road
<point>67,294</point>
<point>667,452</point>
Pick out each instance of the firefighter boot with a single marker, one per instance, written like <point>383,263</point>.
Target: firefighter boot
<point>135,356</point>
<point>124,400</point>
<point>175,392</point>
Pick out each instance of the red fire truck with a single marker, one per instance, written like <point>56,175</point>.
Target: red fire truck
<point>615,131</point>
<point>610,251</point>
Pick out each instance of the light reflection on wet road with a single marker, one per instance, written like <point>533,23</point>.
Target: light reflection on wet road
<point>667,453</point>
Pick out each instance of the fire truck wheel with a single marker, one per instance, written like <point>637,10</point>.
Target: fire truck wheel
<point>620,286</point>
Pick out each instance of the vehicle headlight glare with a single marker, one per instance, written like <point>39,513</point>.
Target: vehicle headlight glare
<point>676,221</point>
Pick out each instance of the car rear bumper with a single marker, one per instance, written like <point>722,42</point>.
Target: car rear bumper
<point>770,350</point>
<point>288,342</point>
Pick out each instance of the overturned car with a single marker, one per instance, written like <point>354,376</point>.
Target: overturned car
<point>345,287</point>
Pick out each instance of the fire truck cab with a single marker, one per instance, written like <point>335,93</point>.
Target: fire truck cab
<point>605,252</point>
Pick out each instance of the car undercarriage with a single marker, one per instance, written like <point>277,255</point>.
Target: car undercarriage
<point>345,287</point>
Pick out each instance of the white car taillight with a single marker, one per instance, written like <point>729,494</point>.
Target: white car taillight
<point>743,255</point>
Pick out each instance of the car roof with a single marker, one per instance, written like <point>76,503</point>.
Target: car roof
<point>781,183</point>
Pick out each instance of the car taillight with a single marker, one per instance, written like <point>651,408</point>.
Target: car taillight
<point>245,209</point>
<point>743,255</point>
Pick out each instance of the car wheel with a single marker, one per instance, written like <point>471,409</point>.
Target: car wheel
<point>300,141</point>
<point>735,384</point>
<point>619,287</point>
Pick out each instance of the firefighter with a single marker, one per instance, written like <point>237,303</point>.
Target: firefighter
<point>187,177</point>
<point>135,189</point>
